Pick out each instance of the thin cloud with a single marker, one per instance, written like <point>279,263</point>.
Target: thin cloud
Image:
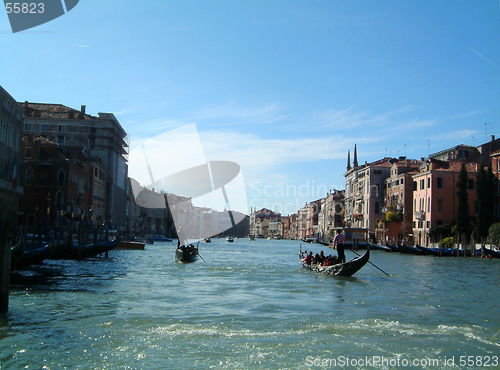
<point>266,114</point>
<point>482,56</point>
<point>348,118</point>
<point>458,135</point>
<point>81,46</point>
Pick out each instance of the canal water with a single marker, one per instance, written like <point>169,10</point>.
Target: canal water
<point>251,306</point>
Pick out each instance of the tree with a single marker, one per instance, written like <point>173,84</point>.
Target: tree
<point>494,234</point>
<point>463,220</point>
<point>485,190</point>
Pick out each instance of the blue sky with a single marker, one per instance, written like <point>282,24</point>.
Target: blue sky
<point>284,88</point>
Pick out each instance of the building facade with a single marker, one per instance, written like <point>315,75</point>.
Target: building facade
<point>11,127</point>
<point>395,225</point>
<point>100,136</point>
<point>435,196</point>
<point>364,193</point>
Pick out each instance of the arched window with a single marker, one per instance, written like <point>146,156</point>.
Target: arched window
<point>61,174</point>
<point>29,176</point>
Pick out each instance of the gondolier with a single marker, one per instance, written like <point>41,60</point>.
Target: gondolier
<point>338,243</point>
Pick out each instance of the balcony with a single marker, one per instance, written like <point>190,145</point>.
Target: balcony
<point>420,215</point>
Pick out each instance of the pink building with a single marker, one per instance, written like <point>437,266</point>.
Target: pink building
<point>435,196</point>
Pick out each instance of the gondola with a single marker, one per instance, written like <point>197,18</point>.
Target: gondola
<point>490,252</point>
<point>24,255</point>
<point>76,252</point>
<point>346,269</point>
<point>186,254</point>
<point>406,249</point>
<point>394,248</point>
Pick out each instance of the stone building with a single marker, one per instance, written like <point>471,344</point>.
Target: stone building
<point>364,192</point>
<point>101,136</point>
<point>435,195</point>
<point>11,128</point>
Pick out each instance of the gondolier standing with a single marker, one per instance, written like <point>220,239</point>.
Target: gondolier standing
<point>338,243</point>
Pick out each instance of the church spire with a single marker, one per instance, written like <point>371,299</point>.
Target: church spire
<point>355,160</point>
<point>348,160</point>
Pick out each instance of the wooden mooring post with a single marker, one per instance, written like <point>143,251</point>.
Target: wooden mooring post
<point>4,273</point>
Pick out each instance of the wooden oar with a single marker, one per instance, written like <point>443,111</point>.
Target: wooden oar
<point>198,252</point>
<point>372,264</point>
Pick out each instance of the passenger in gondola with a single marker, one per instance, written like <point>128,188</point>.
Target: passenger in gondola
<point>309,258</point>
<point>321,257</point>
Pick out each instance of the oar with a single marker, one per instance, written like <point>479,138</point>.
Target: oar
<point>372,264</point>
<point>198,252</point>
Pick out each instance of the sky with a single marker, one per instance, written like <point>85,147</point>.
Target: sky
<point>283,88</point>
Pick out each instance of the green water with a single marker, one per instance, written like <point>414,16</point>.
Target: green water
<point>251,306</point>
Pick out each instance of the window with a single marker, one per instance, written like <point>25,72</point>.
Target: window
<point>470,184</point>
<point>422,184</point>
<point>28,152</point>
<point>61,140</point>
<point>414,185</point>
<point>428,183</point>
<point>29,176</point>
<point>60,177</point>
<point>428,224</point>
<point>440,183</point>
<point>414,224</point>
<point>27,127</point>
<point>440,205</point>
<point>428,204</point>
<point>45,127</point>
<point>61,129</point>
<point>401,182</point>
<point>463,153</point>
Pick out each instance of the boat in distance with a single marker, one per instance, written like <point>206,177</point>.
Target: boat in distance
<point>157,238</point>
<point>346,269</point>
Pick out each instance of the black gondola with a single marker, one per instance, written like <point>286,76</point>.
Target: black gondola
<point>76,252</point>
<point>186,254</point>
<point>490,252</point>
<point>347,269</point>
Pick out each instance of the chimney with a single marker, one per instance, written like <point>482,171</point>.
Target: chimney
<point>82,112</point>
<point>26,107</point>
<point>492,137</point>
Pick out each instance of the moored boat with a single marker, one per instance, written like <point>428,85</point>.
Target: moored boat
<point>131,245</point>
<point>379,247</point>
<point>345,269</point>
<point>490,252</point>
<point>229,239</point>
<point>76,252</point>
<point>156,238</point>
